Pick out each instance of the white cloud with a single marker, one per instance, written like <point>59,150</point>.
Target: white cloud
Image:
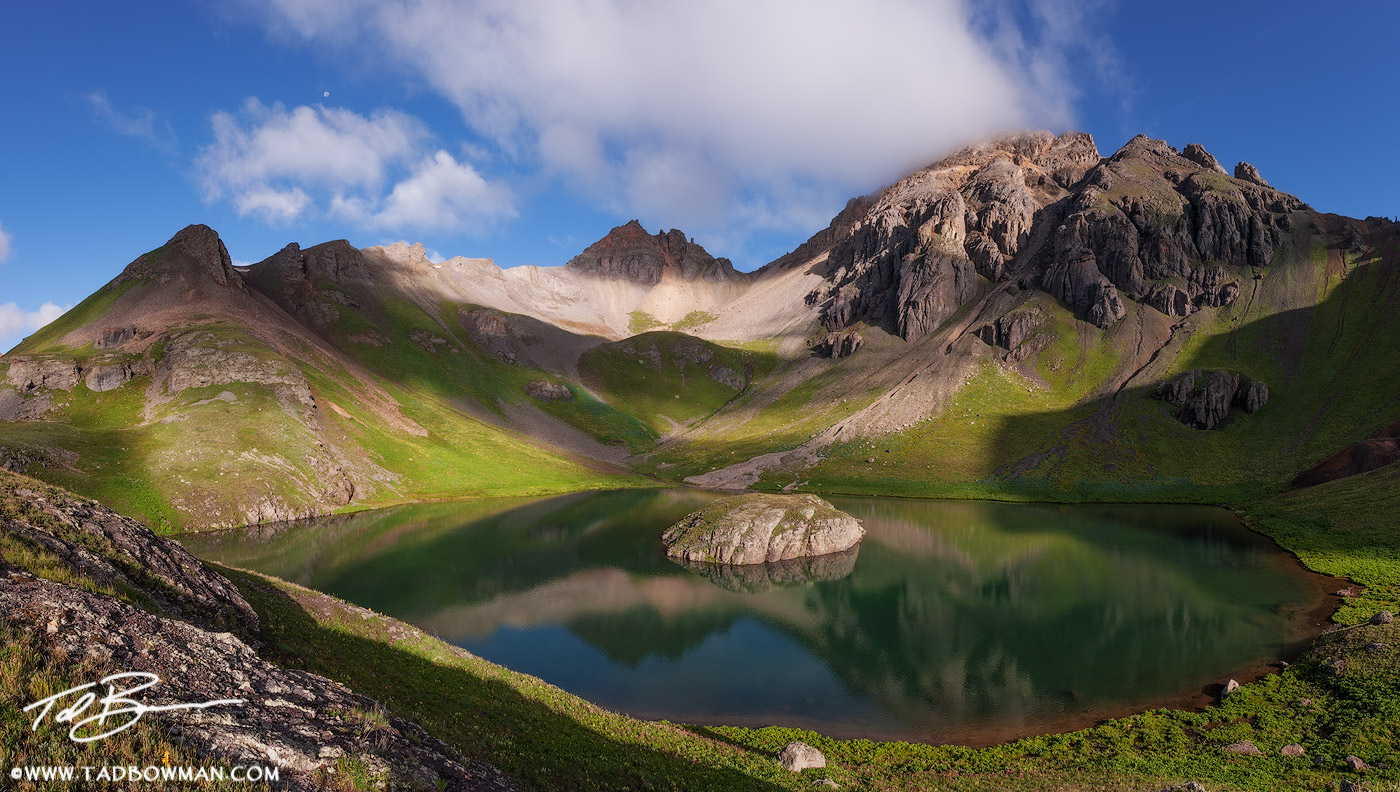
<point>6,244</point>
<point>280,164</point>
<point>443,193</point>
<point>139,122</point>
<point>14,321</point>
<point>675,111</point>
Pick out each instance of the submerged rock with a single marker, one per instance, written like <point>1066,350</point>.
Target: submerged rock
<point>759,528</point>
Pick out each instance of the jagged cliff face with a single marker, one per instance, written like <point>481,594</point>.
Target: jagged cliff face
<point>940,237</point>
<point>628,252</point>
<point>1149,224</point>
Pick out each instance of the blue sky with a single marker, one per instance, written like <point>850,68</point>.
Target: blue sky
<point>525,130</point>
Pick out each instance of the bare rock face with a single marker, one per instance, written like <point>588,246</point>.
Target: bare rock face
<point>1198,154</point>
<point>841,344</point>
<point>1011,332</point>
<point>761,528</point>
<point>727,377</point>
<point>194,257</point>
<point>29,374</point>
<point>548,391</point>
<point>1204,398</point>
<point>799,756</point>
<point>1146,221</point>
<point>936,239</point>
<point>1249,173</point>
<point>109,337</point>
<point>628,252</point>
<point>107,377</point>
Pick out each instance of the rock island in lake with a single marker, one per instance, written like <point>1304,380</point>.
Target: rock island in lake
<point>759,528</point>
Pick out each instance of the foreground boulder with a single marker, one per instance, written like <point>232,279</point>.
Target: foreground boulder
<point>761,528</point>
<point>799,756</point>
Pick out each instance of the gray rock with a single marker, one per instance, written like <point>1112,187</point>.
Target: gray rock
<point>799,756</point>
<point>548,391</point>
<point>1249,173</point>
<point>728,377</point>
<point>1293,749</point>
<point>1244,747</point>
<point>1204,398</point>
<point>1355,764</point>
<point>107,376</point>
<point>109,337</point>
<point>1011,330</point>
<point>1348,785</point>
<point>760,528</point>
<point>1229,687</point>
<point>840,344</point>
<point>1384,617</point>
<point>1189,786</point>
<point>1198,154</point>
<point>47,373</point>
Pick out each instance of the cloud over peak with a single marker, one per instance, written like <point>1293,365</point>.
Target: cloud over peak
<point>684,112</point>
<point>280,164</point>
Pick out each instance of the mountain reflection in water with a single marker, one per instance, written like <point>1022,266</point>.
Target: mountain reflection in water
<point>951,621</point>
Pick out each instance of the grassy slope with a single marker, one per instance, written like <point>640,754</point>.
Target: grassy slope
<point>1007,436</point>
<point>548,739</point>
<point>201,455</point>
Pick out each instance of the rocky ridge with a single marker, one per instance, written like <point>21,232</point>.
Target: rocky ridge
<point>171,616</point>
<point>628,252</point>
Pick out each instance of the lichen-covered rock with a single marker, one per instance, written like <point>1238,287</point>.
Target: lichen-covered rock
<point>108,376</point>
<point>799,756</point>
<point>48,373</point>
<point>1010,331</point>
<point>760,528</point>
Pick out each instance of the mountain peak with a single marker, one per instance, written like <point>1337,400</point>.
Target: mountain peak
<point>195,255</point>
<point>628,252</point>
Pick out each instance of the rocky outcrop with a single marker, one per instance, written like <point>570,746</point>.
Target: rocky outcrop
<point>47,373</point>
<point>1377,451</point>
<point>1198,154</point>
<point>761,528</point>
<point>173,617</point>
<point>628,252</point>
<point>1204,398</point>
<point>1249,173</point>
<point>195,258</point>
<point>109,337</point>
<point>840,344</point>
<point>1014,330</point>
<point>548,391</point>
<point>933,241</point>
<point>753,578</point>
<point>728,377</point>
<point>1157,226</point>
<point>107,377</point>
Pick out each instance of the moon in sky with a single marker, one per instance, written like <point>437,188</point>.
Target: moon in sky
<point>327,93</point>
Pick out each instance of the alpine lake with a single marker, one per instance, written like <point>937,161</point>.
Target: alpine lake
<point>951,622</point>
